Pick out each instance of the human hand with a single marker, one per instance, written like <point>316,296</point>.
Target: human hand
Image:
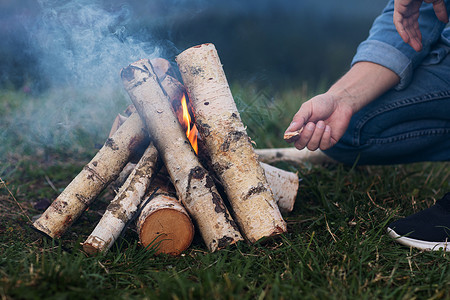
<point>406,16</point>
<point>324,120</point>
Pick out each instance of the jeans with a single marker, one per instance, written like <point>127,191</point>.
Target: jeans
<point>405,126</point>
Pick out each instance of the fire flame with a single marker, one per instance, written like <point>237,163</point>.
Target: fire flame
<point>191,133</point>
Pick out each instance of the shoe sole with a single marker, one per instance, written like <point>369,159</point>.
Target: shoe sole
<point>424,245</point>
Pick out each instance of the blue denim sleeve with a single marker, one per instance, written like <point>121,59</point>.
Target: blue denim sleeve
<point>385,47</point>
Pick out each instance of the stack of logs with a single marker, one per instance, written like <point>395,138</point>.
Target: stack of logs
<point>226,191</point>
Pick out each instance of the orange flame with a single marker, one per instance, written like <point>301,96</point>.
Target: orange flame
<point>191,133</point>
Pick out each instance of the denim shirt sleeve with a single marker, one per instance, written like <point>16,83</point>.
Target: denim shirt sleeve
<point>385,47</point>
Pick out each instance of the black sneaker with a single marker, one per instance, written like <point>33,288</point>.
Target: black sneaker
<point>428,229</point>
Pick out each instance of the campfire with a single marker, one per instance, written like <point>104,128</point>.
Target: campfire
<point>199,170</point>
<point>186,121</point>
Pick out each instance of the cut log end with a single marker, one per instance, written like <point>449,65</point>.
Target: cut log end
<point>38,227</point>
<point>170,231</point>
<point>93,245</point>
<point>89,249</point>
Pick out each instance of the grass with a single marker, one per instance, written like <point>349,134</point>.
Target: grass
<point>336,247</point>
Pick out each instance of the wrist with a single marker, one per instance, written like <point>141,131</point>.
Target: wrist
<point>344,96</point>
<point>363,83</point>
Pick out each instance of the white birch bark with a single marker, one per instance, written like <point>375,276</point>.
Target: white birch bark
<point>194,186</point>
<point>293,155</point>
<point>231,152</point>
<point>95,176</point>
<point>124,205</point>
<point>123,175</point>
<point>284,186</point>
<point>104,167</point>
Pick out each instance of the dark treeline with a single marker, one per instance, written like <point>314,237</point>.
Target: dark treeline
<point>273,41</point>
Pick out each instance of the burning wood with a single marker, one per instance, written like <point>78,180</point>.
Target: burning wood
<point>283,184</point>
<point>164,221</point>
<point>100,171</point>
<point>185,119</point>
<point>134,180</point>
<point>194,186</point>
<point>231,153</point>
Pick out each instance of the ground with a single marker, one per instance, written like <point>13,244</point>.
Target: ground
<point>336,245</point>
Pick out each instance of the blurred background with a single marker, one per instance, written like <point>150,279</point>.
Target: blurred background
<point>60,59</point>
<point>280,41</point>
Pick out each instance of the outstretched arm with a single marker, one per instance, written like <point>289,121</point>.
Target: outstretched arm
<point>326,117</point>
<point>381,62</point>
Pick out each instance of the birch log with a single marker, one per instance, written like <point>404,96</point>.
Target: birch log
<point>194,186</point>
<point>95,176</point>
<point>164,223</point>
<point>162,68</point>
<point>101,170</point>
<point>174,90</point>
<point>124,205</point>
<point>232,154</point>
<point>118,121</point>
<point>123,175</point>
<point>293,155</point>
<point>134,180</point>
<point>284,186</point>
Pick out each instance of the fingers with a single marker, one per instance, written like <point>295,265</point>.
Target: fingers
<point>315,136</point>
<point>299,119</point>
<point>416,44</point>
<point>294,126</point>
<point>410,33</point>
<point>292,133</point>
<point>416,41</point>
<point>406,15</point>
<point>440,10</point>
<point>326,141</point>
<point>305,136</point>
<point>398,22</point>
<point>311,118</point>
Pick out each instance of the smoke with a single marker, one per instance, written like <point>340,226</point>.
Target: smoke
<point>73,50</point>
<point>81,43</point>
<point>80,47</point>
